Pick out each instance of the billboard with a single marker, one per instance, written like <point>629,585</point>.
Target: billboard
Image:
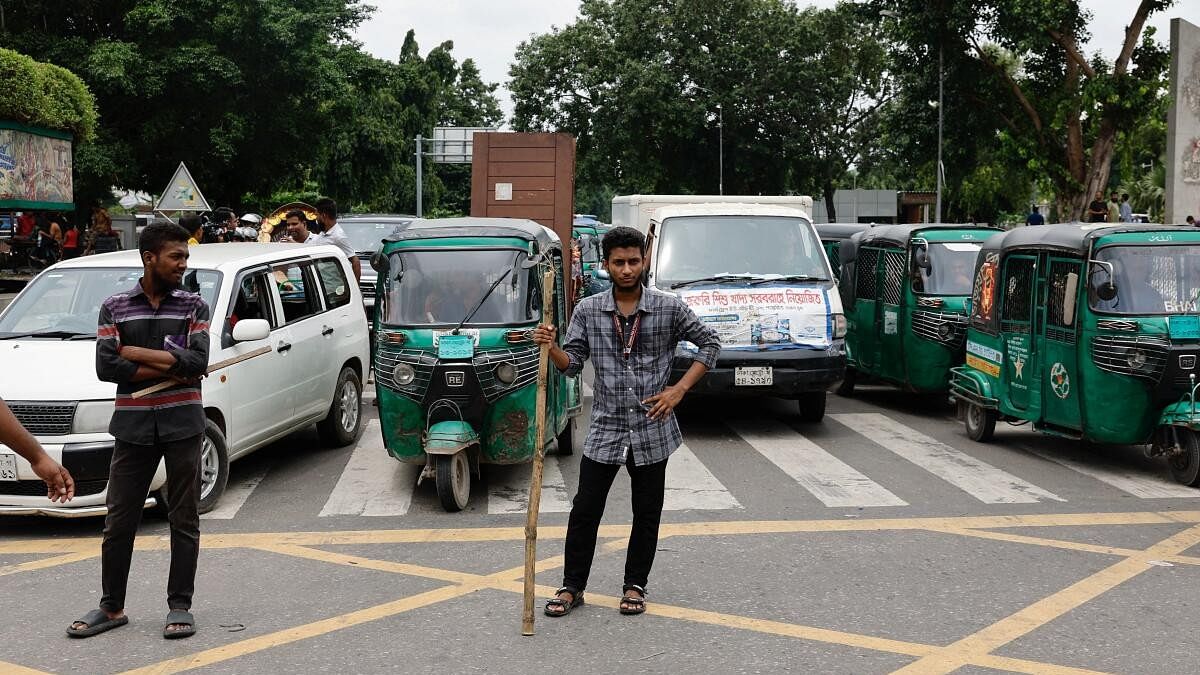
<point>35,168</point>
<point>1183,124</point>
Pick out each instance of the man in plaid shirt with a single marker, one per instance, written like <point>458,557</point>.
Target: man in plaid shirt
<point>630,335</point>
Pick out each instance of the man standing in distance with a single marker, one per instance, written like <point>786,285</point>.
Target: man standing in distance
<point>1097,212</point>
<point>630,335</point>
<point>1035,218</point>
<point>332,233</point>
<point>154,332</point>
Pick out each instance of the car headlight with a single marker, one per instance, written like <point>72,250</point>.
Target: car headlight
<point>92,417</point>
<point>839,325</point>
<point>506,372</point>
<point>1136,359</point>
<point>403,374</point>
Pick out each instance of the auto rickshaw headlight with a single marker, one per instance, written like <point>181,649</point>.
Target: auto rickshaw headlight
<point>945,331</point>
<point>1136,358</point>
<point>506,372</point>
<point>403,374</point>
<point>839,325</point>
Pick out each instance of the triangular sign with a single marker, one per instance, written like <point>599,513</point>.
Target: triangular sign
<point>182,194</point>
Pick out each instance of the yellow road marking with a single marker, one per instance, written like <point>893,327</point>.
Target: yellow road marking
<point>13,669</point>
<point>47,562</point>
<point>370,563</point>
<point>971,648</point>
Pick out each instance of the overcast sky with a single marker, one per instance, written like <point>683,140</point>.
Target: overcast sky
<point>489,31</point>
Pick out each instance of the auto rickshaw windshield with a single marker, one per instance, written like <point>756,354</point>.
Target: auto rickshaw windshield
<point>950,271</point>
<point>1148,279</point>
<point>441,287</point>
<point>697,247</point>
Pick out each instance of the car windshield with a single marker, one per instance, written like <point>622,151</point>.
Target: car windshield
<point>1149,279</point>
<point>951,269</point>
<point>365,236</point>
<point>699,247</point>
<point>66,302</point>
<point>440,287</point>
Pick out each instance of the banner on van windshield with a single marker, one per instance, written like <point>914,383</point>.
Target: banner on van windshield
<point>780,317</point>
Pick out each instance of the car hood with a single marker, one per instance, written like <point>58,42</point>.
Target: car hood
<point>51,370</point>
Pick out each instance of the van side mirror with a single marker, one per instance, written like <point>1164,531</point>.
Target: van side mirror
<point>248,330</point>
<point>1070,288</point>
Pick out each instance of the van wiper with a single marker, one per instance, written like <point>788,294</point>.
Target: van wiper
<point>715,277</point>
<point>788,277</point>
<point>481,301</point>
<point>55,334</point>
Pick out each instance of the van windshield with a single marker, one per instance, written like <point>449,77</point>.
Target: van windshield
<point>440,287</point>
<point>699,247</point>
<point>65,302</point>
<point>951,269</point>
<point>1149,279</point>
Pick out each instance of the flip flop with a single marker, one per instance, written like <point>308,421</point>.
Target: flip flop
<point>97,622</point>
<point>180,617</point>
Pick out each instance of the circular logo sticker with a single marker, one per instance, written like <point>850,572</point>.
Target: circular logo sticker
<point>1060,382</point>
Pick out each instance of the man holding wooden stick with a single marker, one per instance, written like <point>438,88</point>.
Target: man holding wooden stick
<point>630,336</point>
<point>153,332</point>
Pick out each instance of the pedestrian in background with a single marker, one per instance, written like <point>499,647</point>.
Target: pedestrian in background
<point>70,244</point>
<point>60,487</point>
<point>195,227</point>
<point>1097,211</point>
<point>297,226</point>
<point>1126,208</point>
<point>101,238</point>
<point>332,233</point>
<point>154,332</point>
<point>1190,220</point>
<point>1114,208</point>
<point>1034,218</point>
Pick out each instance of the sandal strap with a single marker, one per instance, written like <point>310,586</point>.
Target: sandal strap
<point>629,600</point>
<point>634,587</point>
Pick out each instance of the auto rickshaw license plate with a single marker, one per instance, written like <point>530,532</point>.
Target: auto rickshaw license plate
<point>8,466</point>
<point>1184,327</point>
<point>753,377</point>
<point>456,347</point>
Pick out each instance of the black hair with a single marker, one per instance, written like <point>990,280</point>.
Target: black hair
<point>622,237</point>
<point>1124,196</point>
<point>296,213</point>
<point>157,235</point>
<point>327,207</point>
<point>1035,208</point>
<point>223,214</point>
<point>191,223</point>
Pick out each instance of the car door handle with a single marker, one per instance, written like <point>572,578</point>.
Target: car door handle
<point>283,347</point>
<point>327,331</point>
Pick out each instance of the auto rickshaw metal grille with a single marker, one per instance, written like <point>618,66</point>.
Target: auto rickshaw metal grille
<point>893,277</point>
<point>388,357</point>
<point>1115,354</point>
<point>929,325</point>
<point>864,285</point>
<point>45,419</point>
<point>525,360</point>
<point>1056,304</point>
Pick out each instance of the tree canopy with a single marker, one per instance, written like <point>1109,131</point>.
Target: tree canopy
<point>45,95</point>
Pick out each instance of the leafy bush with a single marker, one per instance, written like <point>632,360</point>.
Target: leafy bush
<point>46,95</point>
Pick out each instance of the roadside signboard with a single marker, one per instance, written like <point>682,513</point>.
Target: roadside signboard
<point>182,194</point>
<point>35,168</point>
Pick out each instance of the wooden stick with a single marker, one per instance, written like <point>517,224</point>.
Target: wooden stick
<point>539,444</point>
<point>154,389</point>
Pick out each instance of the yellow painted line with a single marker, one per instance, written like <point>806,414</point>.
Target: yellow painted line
<point>1032,667</point>
<point>1037,541</point>
<point>44,563</point>
<point>971,648</point>
<point>13,669</point>
<point>360,562</point>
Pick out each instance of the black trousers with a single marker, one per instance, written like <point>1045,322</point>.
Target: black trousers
<point>132,469</point>
<point>595,479</point>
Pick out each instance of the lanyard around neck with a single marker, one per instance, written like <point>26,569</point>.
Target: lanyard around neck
<point>627,346</point>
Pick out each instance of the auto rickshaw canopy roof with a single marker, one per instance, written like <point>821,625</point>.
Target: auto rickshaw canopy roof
<point>898,235</point>
<point>450,228</point>
<point>1076,238</point>
<point>840,231</point>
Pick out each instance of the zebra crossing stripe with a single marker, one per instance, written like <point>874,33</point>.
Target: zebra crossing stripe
<point>828,478</point>
<point>510,493</point>
<point>690,485</point>
<point>979,479</point>
<point>1143,485</point>
<point>236,494</point>
<point>373,482</point>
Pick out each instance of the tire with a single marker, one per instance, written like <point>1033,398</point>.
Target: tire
<point>343,425</point>
<point>812,406</point>
<point>453,480</point>
<point>566,440</point>
<point>1185,467</point>
<point>846,386</point>
<point>214,472</point>
<point>980,422</point>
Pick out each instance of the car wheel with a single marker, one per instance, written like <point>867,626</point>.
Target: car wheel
<point>214,472</point>
<point>343,425</point>
<point>566,439</point>
<point>812,406</point>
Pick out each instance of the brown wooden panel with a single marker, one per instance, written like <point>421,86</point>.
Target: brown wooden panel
<point>532,197</point>
<point>539,183</point>
<point>532,212</point>
<point>564,186</point>
<point>523,140</point>
<point>479,178</point>
<point>522,154</point>
<point>499,172</point>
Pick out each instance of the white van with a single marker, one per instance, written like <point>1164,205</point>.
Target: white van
<point>635,210</point>
<point>300,302</point>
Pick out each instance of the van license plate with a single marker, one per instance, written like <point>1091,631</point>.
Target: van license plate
<point>753,377</point>
<point>8,467</point>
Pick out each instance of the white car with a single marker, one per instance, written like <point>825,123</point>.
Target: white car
<point>300,302</point>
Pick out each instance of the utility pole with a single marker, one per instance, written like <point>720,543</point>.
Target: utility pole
<point>941,82</point>
<point>420,187</point>
<point>720,150</point>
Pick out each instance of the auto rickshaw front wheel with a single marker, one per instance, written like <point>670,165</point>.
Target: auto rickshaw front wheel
<point>1185,464</point>
<point>981,422</point>
<point>453,480</point>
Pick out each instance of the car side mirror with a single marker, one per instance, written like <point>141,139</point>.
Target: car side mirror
<point>379,262</point>
<point>248,330</point>
<point>602,273</point>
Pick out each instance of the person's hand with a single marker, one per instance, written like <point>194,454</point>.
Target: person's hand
<point>664,402</point>
<point>545,334</point>
<point>60,487</point>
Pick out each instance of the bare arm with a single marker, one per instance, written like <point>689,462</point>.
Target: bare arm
<point>59,484</point>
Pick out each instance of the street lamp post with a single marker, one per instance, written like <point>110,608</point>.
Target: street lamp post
<point>720,150</point>
<point>941,82</point>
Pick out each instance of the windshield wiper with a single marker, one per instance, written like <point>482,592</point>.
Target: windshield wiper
<point>56,334</point>
<point>481,301</point>
<point>715,277</point>
<point>788,277</point>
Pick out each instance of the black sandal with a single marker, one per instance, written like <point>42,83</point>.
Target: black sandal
<point>556,606</point>
<point>95,622</point>
<point>636,605</point>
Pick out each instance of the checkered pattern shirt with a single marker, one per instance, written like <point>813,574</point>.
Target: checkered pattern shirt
<point>619,423</point>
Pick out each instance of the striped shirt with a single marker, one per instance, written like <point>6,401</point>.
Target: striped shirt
<point>179,325</point>
<point>619,423</point>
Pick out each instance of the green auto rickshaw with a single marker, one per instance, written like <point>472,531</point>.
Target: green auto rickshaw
<point>903,289</point>
<point>455,362</point>
<point>1091,332</point>
<point>588,234</point>
<point>832,235</point>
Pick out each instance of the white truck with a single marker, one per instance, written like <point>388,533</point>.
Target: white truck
<point>758,275</point>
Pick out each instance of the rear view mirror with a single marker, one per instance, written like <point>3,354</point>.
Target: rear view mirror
<point>379,262</point>
<point>921,258</point>
<point>1107,290</point>
<point>602,273</point>
<point>1071,287</point>
<point>248,330</point>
